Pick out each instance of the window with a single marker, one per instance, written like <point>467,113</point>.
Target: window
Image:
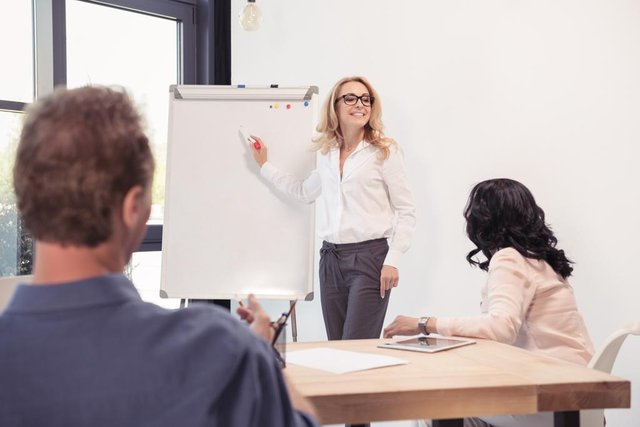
<point>10,124</point>
<point>16,73</point>
<point>141,45</point>
<point>144,271</point>
<point>139,52</point>
<point>16,89</point>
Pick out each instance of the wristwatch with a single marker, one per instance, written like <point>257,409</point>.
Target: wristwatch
<point>422,325</point>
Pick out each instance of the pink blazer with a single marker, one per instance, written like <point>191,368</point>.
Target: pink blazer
<point>527,304</point>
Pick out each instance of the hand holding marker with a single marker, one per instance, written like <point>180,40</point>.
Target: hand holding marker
<point>258,148</point>
<point>249,139</point>
<point>246,313</point>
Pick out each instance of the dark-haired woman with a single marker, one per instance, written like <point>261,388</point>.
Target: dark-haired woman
<point>526,301</point>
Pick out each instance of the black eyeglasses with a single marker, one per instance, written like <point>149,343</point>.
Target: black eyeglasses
<point>352,99</point>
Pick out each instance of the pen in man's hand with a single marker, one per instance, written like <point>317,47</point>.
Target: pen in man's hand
<point>278,326</point>
<point>280,321</point>
<point>240,303</point>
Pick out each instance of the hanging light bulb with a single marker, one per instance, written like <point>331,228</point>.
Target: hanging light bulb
<point>251,16</point>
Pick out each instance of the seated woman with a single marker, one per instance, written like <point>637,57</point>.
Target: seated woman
<point>526,301</point>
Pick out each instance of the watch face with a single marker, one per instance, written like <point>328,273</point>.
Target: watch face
<point>422,325</point>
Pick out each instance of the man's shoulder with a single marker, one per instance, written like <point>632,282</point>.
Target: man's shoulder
<point>195,321</point>
<point>198,334</point>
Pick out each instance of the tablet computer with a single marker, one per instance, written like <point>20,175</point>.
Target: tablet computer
<point>427,344</point>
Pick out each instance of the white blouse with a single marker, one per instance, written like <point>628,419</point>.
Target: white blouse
<point>371,201</point>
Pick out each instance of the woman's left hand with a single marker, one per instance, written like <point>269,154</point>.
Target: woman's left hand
<point>389,277</point>
<point>402,325</point>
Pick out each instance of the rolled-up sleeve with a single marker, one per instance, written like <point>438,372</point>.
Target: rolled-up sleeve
<point>509,294</point>
<point>402,202</point>
<point>307,190</point>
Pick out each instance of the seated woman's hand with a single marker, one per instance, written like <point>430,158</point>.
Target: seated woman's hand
<point>402,325</point>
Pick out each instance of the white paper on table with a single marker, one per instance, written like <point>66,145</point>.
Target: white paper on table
<point>340,361</point>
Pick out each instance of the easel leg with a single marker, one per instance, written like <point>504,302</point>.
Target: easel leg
<point>294,324</point>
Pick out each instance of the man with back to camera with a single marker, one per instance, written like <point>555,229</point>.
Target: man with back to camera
<point>79,347</point>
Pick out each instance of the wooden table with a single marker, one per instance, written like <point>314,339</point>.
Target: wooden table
<point>487,378</point>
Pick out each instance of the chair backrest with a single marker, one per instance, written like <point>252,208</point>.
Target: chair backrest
<point>603,361</point>
<point>8,285</point>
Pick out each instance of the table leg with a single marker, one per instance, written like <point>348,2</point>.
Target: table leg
<point>566,419</point>
<point>457,422</point>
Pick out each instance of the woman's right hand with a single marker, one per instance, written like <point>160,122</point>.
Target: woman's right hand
<point>259,151</point>
<point>402,325</point>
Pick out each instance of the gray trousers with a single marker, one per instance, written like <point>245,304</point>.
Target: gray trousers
<point>350,289</point>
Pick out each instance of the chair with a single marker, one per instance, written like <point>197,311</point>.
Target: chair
<point>8,285</point>
<point>603,361</point>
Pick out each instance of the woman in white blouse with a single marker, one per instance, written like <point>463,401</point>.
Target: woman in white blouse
<point>526,300</point>
<point>366,216</point>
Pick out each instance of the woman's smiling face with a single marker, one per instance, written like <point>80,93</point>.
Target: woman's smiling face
<point>352,116</point>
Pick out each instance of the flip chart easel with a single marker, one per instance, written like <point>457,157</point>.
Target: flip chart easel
<point>226,231</point>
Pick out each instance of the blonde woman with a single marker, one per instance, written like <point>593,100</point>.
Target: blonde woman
<point>367,214</point>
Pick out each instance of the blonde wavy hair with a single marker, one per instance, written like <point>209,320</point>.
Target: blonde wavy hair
<point>329,126</point>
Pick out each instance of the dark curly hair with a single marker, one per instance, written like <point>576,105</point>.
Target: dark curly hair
<point>502,213</point>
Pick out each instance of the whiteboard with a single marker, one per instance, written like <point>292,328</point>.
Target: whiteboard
<point>226,231</point>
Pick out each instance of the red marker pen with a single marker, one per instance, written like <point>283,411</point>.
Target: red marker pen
<point>247,137</point>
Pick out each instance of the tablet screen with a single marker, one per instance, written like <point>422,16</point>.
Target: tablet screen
<point>427,344</point>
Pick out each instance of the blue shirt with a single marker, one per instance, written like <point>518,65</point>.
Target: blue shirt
<point>92,353</point>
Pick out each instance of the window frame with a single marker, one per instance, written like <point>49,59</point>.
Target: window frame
<point>12,106</point>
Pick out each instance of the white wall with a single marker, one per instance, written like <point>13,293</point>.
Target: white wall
<point>545,92</point>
